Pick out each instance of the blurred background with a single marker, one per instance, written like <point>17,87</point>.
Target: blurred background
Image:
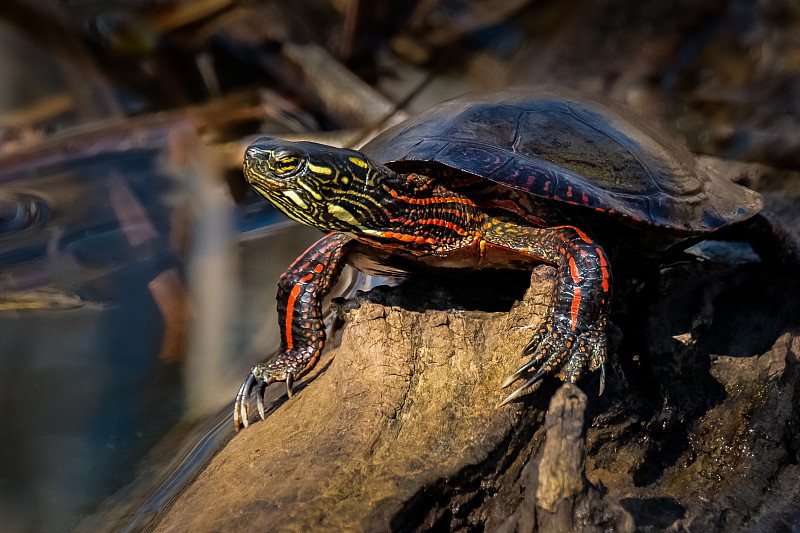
<point>137,269</point>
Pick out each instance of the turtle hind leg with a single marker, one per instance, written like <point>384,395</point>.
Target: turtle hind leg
<point>555,349</point>
<point>571,339</point>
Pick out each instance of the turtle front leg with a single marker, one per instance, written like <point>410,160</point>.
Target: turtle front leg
<point>572,337</point>
<point>301,290</point>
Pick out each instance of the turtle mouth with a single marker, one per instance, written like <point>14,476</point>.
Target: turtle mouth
<point>259,175</point>
<point>286,195</point>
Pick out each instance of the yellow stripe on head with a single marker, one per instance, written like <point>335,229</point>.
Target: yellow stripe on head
<point>294,197</point>
<point>317,169</point>
<point>310,189</point>
<point>343,214</point>
<point>359,162</point>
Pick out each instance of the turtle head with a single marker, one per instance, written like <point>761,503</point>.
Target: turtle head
<point>334,189</point>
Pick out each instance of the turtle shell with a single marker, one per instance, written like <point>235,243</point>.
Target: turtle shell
<point>569,149</point>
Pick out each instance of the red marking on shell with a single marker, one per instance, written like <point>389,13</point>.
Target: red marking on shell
<point>513,207</point>
<point>546,186</point>
<point>585,198</point>
<point>467,181</point>
<point>569,191</point>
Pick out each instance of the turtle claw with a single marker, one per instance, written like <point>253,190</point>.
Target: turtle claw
<point>260,377</point>
<point>602,379</point>
<point>524,386</point>
<point>262,388</point>
<point>516,375</point>
<point>240,406</point>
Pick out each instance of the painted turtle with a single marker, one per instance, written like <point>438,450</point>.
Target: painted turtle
<point>505,180</point>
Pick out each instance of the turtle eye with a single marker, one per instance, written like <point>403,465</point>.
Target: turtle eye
<point>286,164</point>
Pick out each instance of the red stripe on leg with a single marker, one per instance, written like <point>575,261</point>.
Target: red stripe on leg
<point>289,311</point>
<point>603,269</point>
<point>290,308</point>
<point>573,270</point>
<point>576,304</point>
<point>583,236</point>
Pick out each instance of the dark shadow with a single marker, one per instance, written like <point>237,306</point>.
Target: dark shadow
<point>674,323</point>
<point>489,291</point>
<point>754,308</point>
<point>655,514</point>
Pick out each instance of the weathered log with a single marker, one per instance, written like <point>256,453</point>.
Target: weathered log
<point>558,497</point>
<point>403,418</point>
<point>399,431</point>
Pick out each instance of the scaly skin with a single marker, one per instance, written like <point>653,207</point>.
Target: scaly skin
<point>424,223</point>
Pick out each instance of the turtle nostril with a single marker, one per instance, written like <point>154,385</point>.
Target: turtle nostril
<point>253,152</point>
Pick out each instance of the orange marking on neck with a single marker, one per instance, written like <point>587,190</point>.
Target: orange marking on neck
<point>407,238</point>
<point>426,201</point>
<point>443,223</point>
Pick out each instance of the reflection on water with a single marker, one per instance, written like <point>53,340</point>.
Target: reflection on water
<point>95,306</point>
<point>19,212</point>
